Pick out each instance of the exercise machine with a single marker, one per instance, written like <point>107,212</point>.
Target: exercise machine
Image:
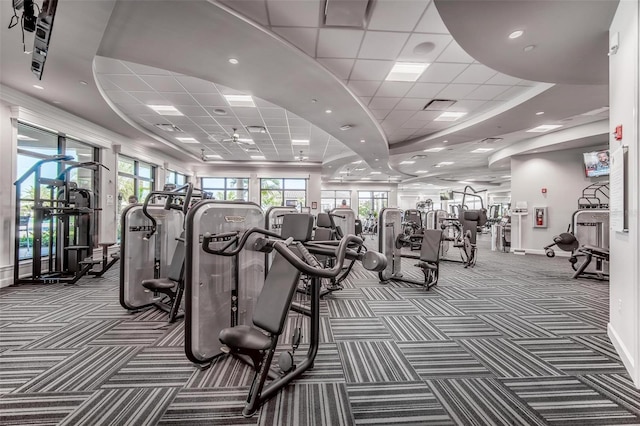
<point>391,241</point>
<point>343,220</point>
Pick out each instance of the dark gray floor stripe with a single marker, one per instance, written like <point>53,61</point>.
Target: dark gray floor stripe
<point>39,409</point>
<point>433,360</point>
<point>515,326</point>
<point>73,336</point>
<point>131,333</point>
<point>359,329</point>
<point>600,344</point>
<point>208,407</point>
<point>412,328</point>
<point>617,387</point>
<point>225,372</point>
<point>562,325</point>
<point>518,306</point>
<point>437,307</point>
<point>19,366</point>
<point>20,334</point>
<point>482,402</point>
<point>377,293</point>
<point>349,309</point>
<point>568,401</point>
<point>382,308</point>
<point>408,404</point>
<point>464,327</point>
<point>378,361</point>
<point>477,306</point>
<point>68,313</point>
<point>309,405</point>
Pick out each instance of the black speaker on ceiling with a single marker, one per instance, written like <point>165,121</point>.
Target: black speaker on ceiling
<point>43,28</point>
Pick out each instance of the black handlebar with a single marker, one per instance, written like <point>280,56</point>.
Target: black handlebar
<point>185,191</point>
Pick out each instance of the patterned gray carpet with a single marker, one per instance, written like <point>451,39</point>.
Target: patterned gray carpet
<point>512,341</point>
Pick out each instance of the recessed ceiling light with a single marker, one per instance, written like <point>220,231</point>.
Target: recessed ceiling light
<point>505,176</point>
<point>481,150</point>
<point>406,71</point>
<point>356,162</point>
<point>328,111</point>
<point>38,87</point>
<point>444,163</point>
<point>422,171</point>
<point>220,111</point>
<point>257,157</point>
<point>346,127</point>
<point>246,140</point>
<point>544,128</point>
<point>84,83</point>
<point>362,141</point>
<point>187,140</point>
<point>240,100</point>
<point>377,159</point>
<point>529,48</point>
<point>445,141</point>
<point>165,109</point>
<point>438,149</point>
<point>539,112</point>
<point>213,156</point>
<point>450,116</point>
<point>25,138</point>
<point>299,141</point>
<point>376,173</point>
<point>57,102</point>
<point>233,61</point>
<point>365,178</point>
<point>516,34</point>
<point>407,162</point>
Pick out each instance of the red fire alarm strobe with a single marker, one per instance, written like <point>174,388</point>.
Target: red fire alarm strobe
<point>544,190</point>
<point>618,133</point>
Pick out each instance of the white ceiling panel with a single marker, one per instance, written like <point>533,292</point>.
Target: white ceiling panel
<point>503,79</point>
<point>287,13</point>
<point>150,98</point>
<point>457,91</point>
<point>364,88</point>
<point>455,53</point>
<point>193,111</point>
<point>129,82</point>
<point>120,97</point>
<point>487,92</point>
<point>424,47</point>
<point>411,104</point>
<point>380,114</point>
<point>145,70</point>
<point>196,85</point>
<point>247,112</point>
<point>475,73</point>
<point>365,69</point>
<point>466,105</point>
<point>383,103</point>
<point>394,89</point>
<point>134,109</point>
<point>382,45</point>
<point>399,116</point>
<point>365,99</point>
<point>303,38</point>
<point>426,115</point>
<point>179,98</point>
<point>261,103</point>
<point>339,42</point>
<point>210,100</point>
<point>425,90</point>
<point>396,15</point>
<point>341,68</point>
<point>440,72</point>
<point>277,122</point>
<point>254,9</point>
<point>203,120</point>
<point>431,22</point>
<point>272,113</point>
<point>511,93</point>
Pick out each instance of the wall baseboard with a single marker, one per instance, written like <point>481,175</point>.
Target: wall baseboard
<point>626,357</point>
<point>540,252</point>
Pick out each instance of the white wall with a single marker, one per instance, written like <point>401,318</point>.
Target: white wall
<point>624,325</point>
<point>562,174</point>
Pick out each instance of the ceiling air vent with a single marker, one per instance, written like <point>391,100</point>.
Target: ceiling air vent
<point>419,157</point>
<point>438,105</point>
<point>351,14</point>
<point>256,129</point>
<point>169,128</point>
<point>490,140</point>
<point>250,149</point>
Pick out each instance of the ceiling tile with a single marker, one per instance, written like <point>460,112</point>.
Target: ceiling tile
<point>204,120</point>
<point>504,79</point>
<point>399,116</point>
<point>457,91</point>
<point>121,97</point>
<point>511,93</point>
<point>196,85</point>
<point>487,92</point>
<point>105,84</point>
<point>475,73</point>
<point>370,70</point>
<point>455,53</point>
<point>382,45</point>
<point>380,114</point>
<point>193,111</point>
<point>396,15</point>
<point>129,82</point>
<point>143,70</point>
<point>247,113</point>
<point>272,113</point>
<point>279,130</point>
<point>394,88</point>
<point>417,51</point>
<point>287,13</point>
<point>365,99</point>
<point>382,103</point>
<point>179,99</point>
<point>303,38</point>
<point>275,122</point>
<point>431,22</point>
<point>411,104</point>
<point>466,105</point>
<point>255,9</point>
<point>147,98</point>
<point>364,88</point>
<point>426,115</point>
<point>134,109</point>
<point>439,72</point>
<point>210,100</point>
<point>339,42</point>
<point>341,68</point>
<point>162,83</point>
<point>425,90</point>
<point>110,66</point>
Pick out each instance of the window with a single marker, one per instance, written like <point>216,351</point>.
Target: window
<point>371,202</point>
<point>35,144</point>
<point>178,179</point>
<point>332,199</point>
<point>227,188</point>
<point>135,179</point>
<point>283,192</point>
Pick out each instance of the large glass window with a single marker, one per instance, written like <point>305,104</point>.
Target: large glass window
<point>371,202</point>
<point>35,144</point>
<point>135,182</point>
<point>227,188</point>
<point>283,192</point>
<point>332,199</point>
<point>178,179</point>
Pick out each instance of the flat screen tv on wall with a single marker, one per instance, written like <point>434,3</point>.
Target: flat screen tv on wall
<point>596,163</point>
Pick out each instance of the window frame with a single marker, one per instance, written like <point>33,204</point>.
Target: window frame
<point>283,190</point>
<point>226,189</point>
